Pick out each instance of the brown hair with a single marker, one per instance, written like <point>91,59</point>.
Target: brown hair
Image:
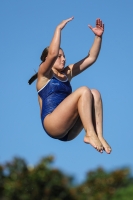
<point>43,57</point>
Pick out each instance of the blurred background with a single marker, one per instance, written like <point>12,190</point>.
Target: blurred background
<point>26,29</point>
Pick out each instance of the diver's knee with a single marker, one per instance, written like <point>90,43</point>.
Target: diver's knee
<point>86,91</point>
<point>96,94</point>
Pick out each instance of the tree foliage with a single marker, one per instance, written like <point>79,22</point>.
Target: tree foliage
<point>18,181</point>
<point>100,185</point>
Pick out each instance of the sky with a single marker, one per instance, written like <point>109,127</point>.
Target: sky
<point>27,28</point>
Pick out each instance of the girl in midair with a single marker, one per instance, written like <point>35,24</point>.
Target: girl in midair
<point>65,113</point>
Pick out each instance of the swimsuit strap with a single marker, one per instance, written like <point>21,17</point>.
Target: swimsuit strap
<point>50,80</point>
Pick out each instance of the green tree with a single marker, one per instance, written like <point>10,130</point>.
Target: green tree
<point>100,185</point>
<point>1,181</point>
<point>18,181</point>
<point>125,193</point>
<point>39,183</point>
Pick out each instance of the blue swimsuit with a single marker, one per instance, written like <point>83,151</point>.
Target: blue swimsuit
<point>52,94</point>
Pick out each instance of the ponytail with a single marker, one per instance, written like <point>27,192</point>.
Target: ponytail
<point>33,78</point>
<point>43,57</point>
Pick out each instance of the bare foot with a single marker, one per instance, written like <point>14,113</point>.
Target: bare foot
<point>106,146</point>
<point>94,141</point>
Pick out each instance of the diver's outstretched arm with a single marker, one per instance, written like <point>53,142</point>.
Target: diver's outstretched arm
<point>83,64</point>
<point>53,49</point>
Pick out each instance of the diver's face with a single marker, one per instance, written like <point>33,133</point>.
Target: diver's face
<point>60,61</point>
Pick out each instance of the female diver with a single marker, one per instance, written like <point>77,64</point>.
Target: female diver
<point>65,113</point>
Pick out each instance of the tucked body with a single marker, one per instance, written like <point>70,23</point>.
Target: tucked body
<point>65,113</point>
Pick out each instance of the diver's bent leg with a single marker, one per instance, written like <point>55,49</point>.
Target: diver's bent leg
<point>85,112</point>
<point>98,118</point>
<point>63,118</point>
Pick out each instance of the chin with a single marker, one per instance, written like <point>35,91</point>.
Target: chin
<point>61,69</point>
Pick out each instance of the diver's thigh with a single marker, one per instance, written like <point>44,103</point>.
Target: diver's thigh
<point>62,119</point>
<point>75,130</point>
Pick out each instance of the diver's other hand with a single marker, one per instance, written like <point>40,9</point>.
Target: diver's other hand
<point>99,29</point>
<point>64,22</point>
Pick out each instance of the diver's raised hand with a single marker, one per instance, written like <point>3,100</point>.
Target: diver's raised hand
<point>64,22</point>
<point>99,29</point>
